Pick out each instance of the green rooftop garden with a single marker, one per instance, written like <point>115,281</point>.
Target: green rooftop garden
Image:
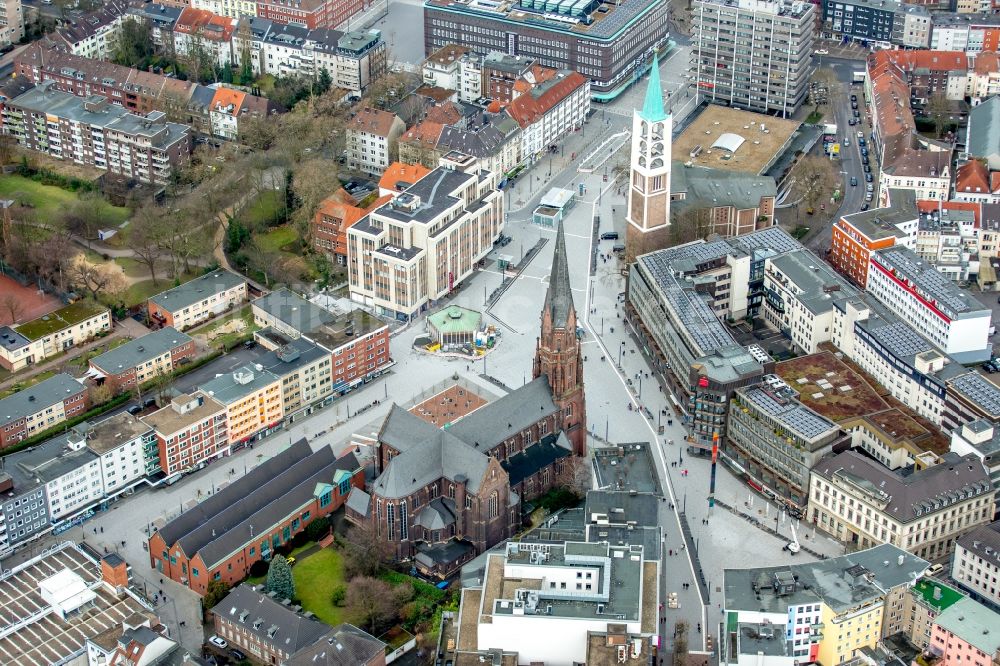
<point>948,596</point>
<point>60,319</point>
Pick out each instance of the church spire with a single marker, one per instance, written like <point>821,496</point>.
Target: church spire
<point>559,297</point>
<point>652,107</point>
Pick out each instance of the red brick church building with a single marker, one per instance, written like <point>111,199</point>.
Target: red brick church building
<point>443,495</point>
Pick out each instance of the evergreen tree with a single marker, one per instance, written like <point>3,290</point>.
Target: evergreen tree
<point>324,82</point>
<point>279,578</point>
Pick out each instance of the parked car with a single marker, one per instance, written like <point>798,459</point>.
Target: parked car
<point>237,655</point>
<point>854,181</point>
<point>868,196</point>
<point>988,367</point>
<point>134,409</point>
<point>864,160</point>
<point>609,235</point>
<point>864,206</point>
<point>861,140</point>
<point>869,178</point>
<point>854,98</point>
<point>249,344</point>
<point>852,121</point>
<point>861,134</point>
<point>821,52</point>
<point>864,152</point>
<point>218,642</point>
<point>290,559</point>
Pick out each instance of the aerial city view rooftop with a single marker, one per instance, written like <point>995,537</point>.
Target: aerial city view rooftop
<point>270,269</point>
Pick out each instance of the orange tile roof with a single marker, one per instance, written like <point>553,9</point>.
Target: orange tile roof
<point>987,62</point>
<point>400,172</point>
<point>448,53</point>
<point>204,23</point>
<point>922,59</point>
<point>528,108</point>
<point>446,113</point>
<point>226,97</point>
<point>995,182</point>
<point>426,132</point>
<point>973,176</point>
<point>376,121</point>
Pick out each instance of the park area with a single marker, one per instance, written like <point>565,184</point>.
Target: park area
<point>349,581</point>
<point>49,201</point>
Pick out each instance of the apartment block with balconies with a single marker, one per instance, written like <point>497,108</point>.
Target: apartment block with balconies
<point>753,54</point>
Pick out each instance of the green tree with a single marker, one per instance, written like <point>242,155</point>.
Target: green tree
<point>216,592</point>
<point>133,45</point>
<point>324,82</point>
<point>279,578</point>
<point>227,73</point>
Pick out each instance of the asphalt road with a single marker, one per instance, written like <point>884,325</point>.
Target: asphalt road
<point>850,161</point>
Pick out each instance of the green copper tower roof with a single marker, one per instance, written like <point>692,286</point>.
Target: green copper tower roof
<point>652,107</point>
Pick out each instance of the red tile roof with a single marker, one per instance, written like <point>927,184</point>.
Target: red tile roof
<point>446,113</point>
<point>528,108</point>
<point>973,176</point>
<point>426,132</point>
<point>374,121</point>
<point>228,101</point>
<point>908,61</point>
<point>401,173</point>
<point>987,62</point>
<point>205,24</point>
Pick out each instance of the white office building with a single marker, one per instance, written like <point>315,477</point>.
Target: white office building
<point>935,307</point>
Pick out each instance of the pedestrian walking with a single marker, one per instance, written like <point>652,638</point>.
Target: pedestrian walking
<point>102,530</point>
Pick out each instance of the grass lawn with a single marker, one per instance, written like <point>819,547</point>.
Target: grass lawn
<point>20,386</point>
<point>49,200</point>
<point>316,577</point>
<point>133,268</point>
<point>82,360</point>
<point>141,291</point>
<point>264,211</point>
<point>277,238</point>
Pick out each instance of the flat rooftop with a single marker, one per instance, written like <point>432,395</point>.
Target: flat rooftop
<point>60,319</point>
<point>581,18</point>
<point>112,432</point>
<point>759,149</point>
<point>789,413</point>
<point>628,466</point>
<point>829,387</point>
<point>344,329</point>
<point>238,384</point>
<point>843,582</point>
<point>617,578</point>
<point>978,389</point>
<point>168,420</point>
<point>449,405</point>
<point>46,638</point>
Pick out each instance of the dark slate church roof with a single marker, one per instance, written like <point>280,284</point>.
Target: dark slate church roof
<point>559,297</point>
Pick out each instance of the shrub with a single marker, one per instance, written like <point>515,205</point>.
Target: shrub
<point>338,596</point>
<point>317,529</point>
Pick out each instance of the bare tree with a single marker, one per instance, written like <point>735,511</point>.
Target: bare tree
<point>146,236</point>
<point>12,306</point>
<point>7,146</point>
<point>690,223</point>
<point>939,110</point>
<point>574,474</point>
<point>312,181</point>
<point>366,552</point>
<point>370,603</point>
<point>814,175</point>
<point>96,279</point>
<point>51,257</point>
<point>680,643</point>
<point>84,217</point>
